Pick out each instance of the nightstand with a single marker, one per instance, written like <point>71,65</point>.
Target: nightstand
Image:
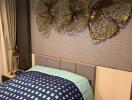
<point>9,75</point>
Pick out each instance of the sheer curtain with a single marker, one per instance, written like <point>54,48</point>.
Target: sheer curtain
<point>7,34</point>
<point>3,59</point>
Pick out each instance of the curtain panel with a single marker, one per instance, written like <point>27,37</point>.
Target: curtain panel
<point>8,27</point>
<point>3,56</point>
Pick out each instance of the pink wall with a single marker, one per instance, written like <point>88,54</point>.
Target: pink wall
<point>115,52</point>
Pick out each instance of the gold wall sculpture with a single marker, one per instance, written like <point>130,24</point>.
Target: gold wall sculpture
<point>102,28</point>
<point>47,13</point>
<point>75,16</point>
<point>104,18</point>
<point>107,17</point>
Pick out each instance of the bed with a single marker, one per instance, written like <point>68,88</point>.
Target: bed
<point>51,78</point>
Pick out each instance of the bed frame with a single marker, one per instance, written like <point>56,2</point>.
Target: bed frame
<point>83,69</point>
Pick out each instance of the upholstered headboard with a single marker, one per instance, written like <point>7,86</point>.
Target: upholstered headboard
<point>83,69</point>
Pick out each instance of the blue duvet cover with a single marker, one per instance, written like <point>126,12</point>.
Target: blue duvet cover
<point>33,85</point>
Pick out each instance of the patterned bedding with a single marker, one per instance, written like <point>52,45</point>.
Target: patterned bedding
<point>33,85</point>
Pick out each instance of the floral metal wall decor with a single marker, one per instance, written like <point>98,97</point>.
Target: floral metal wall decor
<point>47,13</point>
<point>104,18</point>
<point>75,16</point>
<point>107,17</point>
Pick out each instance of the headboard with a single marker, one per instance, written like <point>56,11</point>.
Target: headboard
<point>83,69</point>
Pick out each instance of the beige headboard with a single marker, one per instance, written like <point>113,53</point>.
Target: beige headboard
<point>83,69</point>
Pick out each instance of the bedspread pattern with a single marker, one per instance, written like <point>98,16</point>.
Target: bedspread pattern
<point>34,85</point>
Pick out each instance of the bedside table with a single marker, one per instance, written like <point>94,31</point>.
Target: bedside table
<point>11,74</point>
<point>7,76</point>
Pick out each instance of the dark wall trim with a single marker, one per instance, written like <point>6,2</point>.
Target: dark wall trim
<point>23,30</point>
<point>29,25</point>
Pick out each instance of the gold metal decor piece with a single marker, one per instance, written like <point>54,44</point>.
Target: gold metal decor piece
<point>47,14</point>
<point>75,16</point>
<point>120,12</point>
<point>104,18</point>
<point>107,17</point>
<point>102,28</point>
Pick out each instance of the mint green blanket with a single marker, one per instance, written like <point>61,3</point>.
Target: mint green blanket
<point>80,81</point>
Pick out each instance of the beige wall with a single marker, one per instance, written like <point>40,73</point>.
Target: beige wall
<point>115,52</point>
